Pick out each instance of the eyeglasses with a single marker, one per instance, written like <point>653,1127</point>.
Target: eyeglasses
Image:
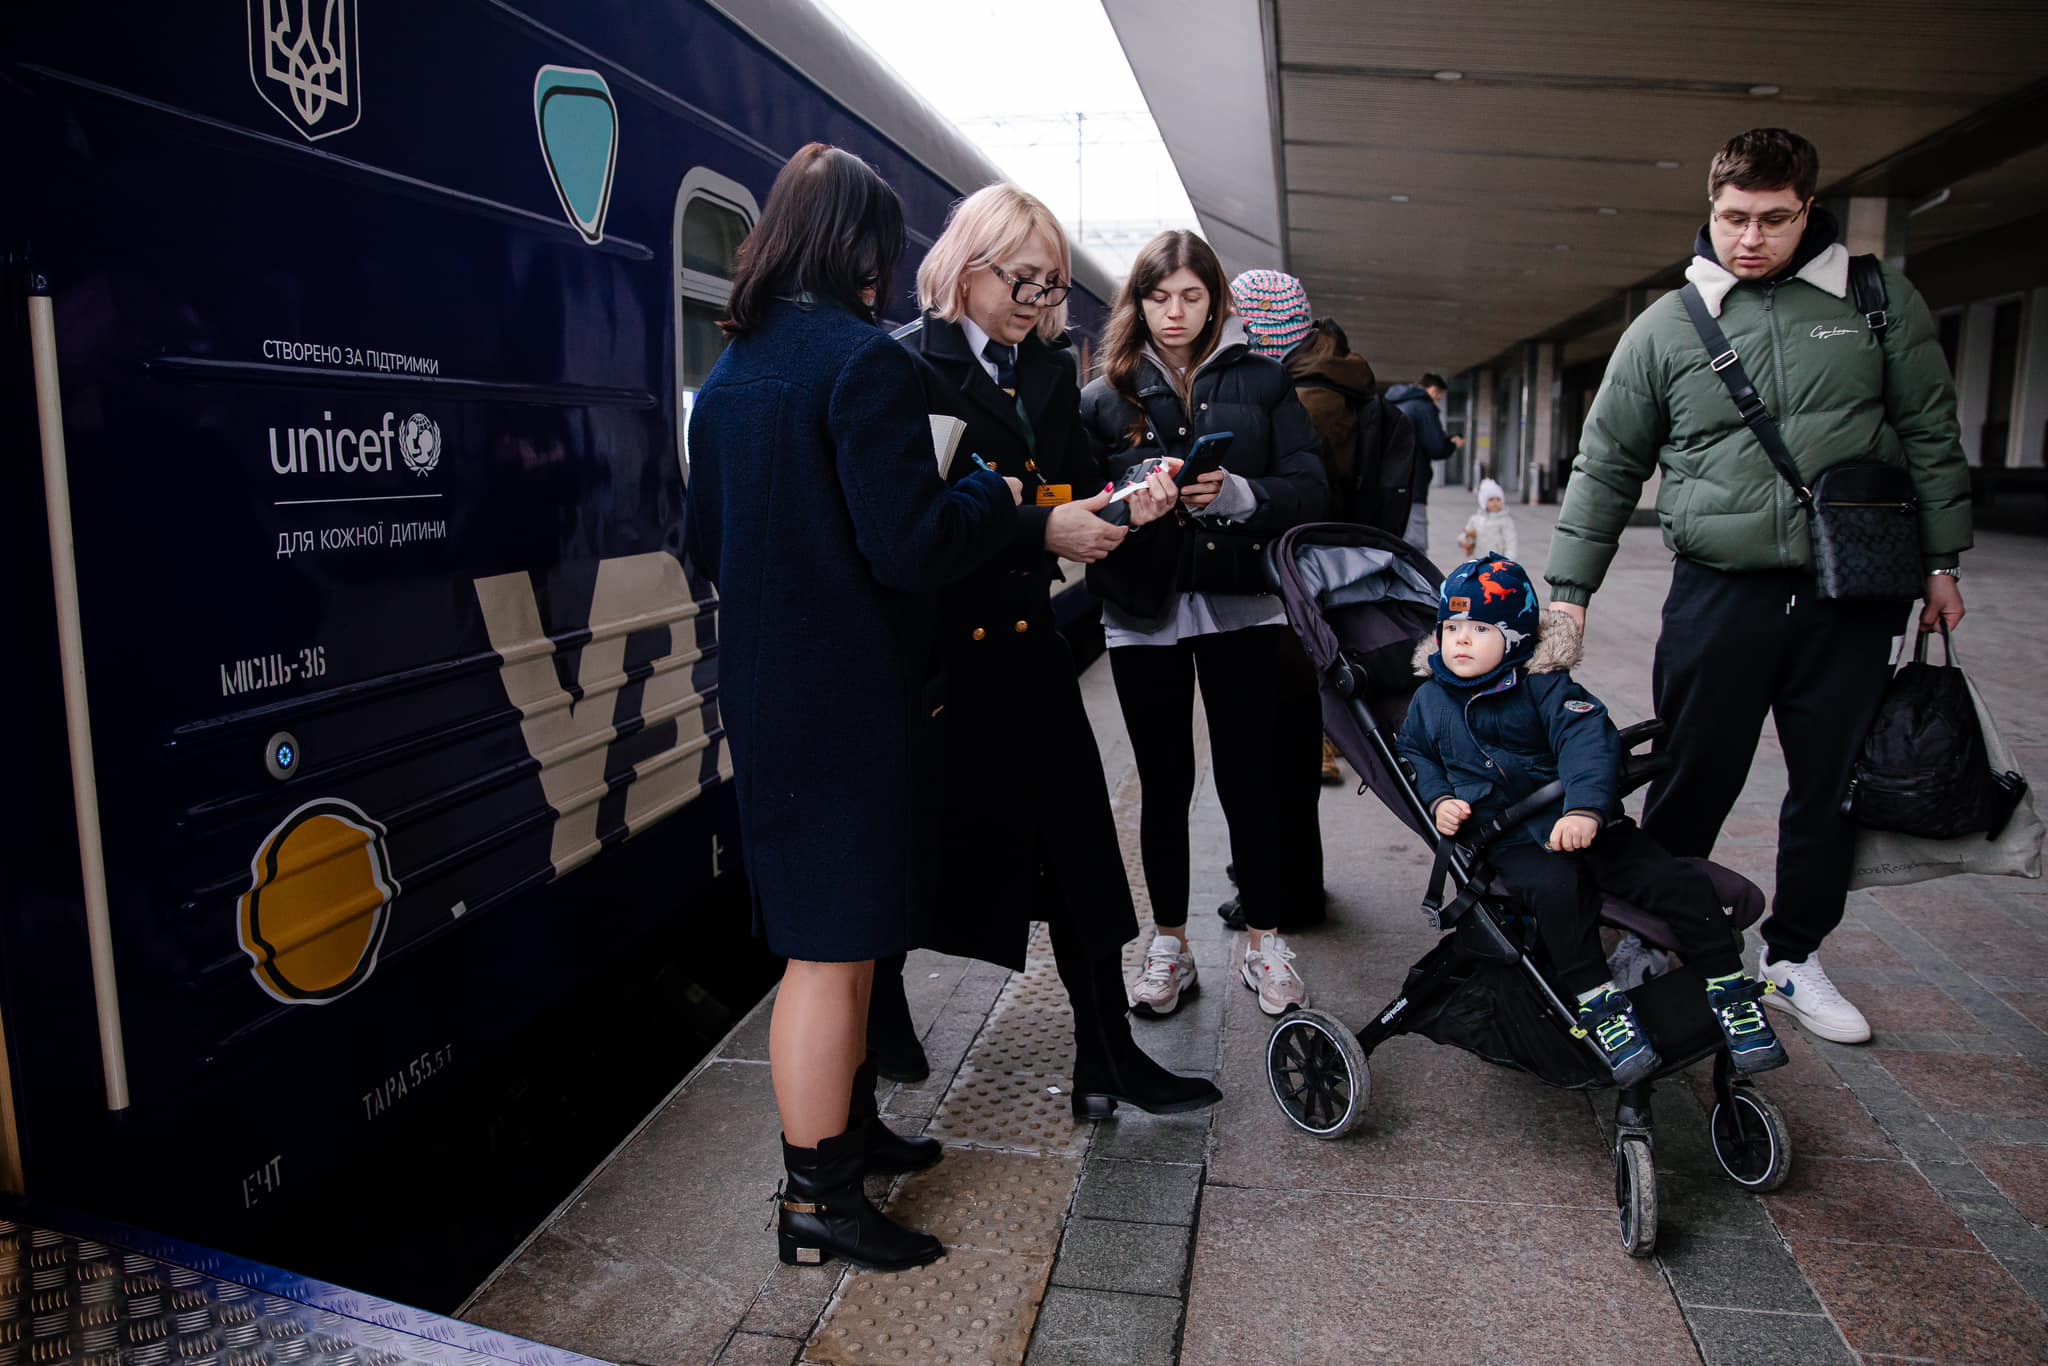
<point>1770,224</point>
<point>1032,292</point>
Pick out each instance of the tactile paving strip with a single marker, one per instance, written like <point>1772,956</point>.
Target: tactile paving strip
<point>970,1308</point>
<point>1012,1111</point>
<point>1031,1041</point>
<point>66,1299</point>
<point>995,1202</point>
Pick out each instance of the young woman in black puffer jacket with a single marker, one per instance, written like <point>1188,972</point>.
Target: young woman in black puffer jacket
<point>1188,597</point>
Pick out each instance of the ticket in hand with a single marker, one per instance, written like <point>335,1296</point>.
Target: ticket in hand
<point>1136,475</point>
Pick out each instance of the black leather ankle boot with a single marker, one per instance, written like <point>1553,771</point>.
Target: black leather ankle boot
<point>893,1044</point>
<point>1109,1067</point>
<point>824,1214</point>
<point>889,1152</point>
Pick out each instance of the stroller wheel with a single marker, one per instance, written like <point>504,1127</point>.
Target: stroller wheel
<point>1319,1073</point>
<point>1635,1194</point>
<point>1750,1139</point>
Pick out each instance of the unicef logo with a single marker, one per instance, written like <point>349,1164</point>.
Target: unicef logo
<point>419,441</point>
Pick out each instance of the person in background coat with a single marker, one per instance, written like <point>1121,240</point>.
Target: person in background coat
<point>815,506</point>
<point>1331,380</point>
<point>1028,833</point>
<point>1183,601</point>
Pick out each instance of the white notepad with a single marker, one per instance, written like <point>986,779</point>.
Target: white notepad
<point>946,433</point>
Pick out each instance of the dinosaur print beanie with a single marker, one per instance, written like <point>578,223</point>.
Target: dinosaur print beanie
<point>1498,592</point>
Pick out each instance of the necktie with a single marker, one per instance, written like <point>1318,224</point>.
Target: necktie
<point>1004,358</point>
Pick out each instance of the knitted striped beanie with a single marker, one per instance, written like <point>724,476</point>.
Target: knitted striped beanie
<point>1275,311</point>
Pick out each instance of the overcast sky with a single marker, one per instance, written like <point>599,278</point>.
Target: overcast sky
<point>1015,94</point>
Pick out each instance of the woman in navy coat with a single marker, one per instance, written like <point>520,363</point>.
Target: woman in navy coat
<point>817,508</point>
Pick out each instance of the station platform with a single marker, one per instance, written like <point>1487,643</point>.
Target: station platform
<point>1469,1218</point>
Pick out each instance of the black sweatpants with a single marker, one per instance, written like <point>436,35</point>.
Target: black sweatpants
<point>1563,892</point>
<point>1265,737</point>
<point>1736,648</point>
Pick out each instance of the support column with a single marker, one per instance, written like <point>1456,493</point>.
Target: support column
<point>1876,226</point>
<point>1479,430</point>
<point>2031,407</point>
<point>1541,380</point>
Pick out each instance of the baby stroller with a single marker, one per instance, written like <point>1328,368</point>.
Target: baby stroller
<point>1360,599</point>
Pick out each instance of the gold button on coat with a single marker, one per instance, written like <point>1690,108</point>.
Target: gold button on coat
<point>980,633</point>
<point>1022,627</point>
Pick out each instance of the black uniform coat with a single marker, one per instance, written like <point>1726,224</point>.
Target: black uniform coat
<point>815,506</point>
<point>1029,834</point>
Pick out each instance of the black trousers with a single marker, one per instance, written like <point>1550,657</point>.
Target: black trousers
<point>1736,648</point>
<point>1563,892</point>
<point>1265,738</point>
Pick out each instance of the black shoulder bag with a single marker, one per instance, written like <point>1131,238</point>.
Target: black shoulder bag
<point>1865,514</point>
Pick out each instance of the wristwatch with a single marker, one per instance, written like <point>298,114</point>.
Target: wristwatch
<point>1953,572</point>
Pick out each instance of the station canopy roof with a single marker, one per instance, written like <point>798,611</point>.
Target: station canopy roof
<point>1452,177</point>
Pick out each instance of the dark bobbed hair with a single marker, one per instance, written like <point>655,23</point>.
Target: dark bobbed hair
<point>1765,159</point>
<point>832,228</point>
<point>1125,339</point>
<point>1432,380</point>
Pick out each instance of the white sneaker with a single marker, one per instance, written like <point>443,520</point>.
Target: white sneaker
<point>1169,975</point>
<point>1270,972</point>
<point>1805,991</point>
<point>1633,963</point>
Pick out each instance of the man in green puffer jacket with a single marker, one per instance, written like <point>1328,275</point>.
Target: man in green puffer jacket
<point>1745,634</point>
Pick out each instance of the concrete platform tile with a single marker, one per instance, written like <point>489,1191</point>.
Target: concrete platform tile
<point>792,1299</point>
<point>1970,1084</point>
<point>1441,1123</point>
<point>1136,1136</point>
<point>663,1252</point>
<point>1733,1273</point>
<point>999,1202</point>
<point>1137,1259</point>
<point>1141,1192</point>
<point>1010,1110</point>
<point>1865,1202</point>
<point>2020,1172</point>
<point>1730,1337</point>
<point>1421,1281</point>
<point>967,1309</point>
<point>748,1041</point>
<point>1939,1305</point>
<point>1915,1009</point>
<point>608,1304</point>
<point>2032,1004</point>
<point>1102,1328</point>
<point>757,1349</point>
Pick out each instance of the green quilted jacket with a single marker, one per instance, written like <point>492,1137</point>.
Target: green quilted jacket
<point>1810,354</point>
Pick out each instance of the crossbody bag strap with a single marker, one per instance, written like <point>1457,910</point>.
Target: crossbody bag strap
<point>1749,404</point>
<point>1866,284</point>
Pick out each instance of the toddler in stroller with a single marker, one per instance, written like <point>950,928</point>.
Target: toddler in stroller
<point>1499,716</point>
<point>1361,600</point>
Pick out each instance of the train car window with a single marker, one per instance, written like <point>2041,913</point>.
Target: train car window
<point>713,215</point>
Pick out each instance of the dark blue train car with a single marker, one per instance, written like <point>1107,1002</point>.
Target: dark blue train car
<point>364,333</point>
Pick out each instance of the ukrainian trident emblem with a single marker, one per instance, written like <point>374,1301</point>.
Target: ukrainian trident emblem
<point>302,57</point>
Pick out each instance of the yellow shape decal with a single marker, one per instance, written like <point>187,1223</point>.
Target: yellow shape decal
<point>319,900</point>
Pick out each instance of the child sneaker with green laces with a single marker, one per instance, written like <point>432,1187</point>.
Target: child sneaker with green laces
<point>1752,1044</point>
<point>1607,1016</point>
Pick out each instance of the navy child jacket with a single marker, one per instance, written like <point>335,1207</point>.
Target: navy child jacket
<point>1493,746</point>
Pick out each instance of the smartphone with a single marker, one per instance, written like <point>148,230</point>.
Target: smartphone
<point>1205,456</point>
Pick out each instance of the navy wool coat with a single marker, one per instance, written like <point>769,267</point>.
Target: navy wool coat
<point>1029,832</point>
<point>816,507</point>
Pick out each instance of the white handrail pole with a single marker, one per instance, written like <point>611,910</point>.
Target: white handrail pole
<point>85,794</point>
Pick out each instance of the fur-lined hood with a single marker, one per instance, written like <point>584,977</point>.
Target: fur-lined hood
<point>1559,646</point>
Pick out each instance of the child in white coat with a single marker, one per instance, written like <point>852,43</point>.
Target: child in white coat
<point>1491,530</point>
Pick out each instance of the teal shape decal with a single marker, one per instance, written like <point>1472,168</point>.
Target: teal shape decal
<point>579,140</point>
